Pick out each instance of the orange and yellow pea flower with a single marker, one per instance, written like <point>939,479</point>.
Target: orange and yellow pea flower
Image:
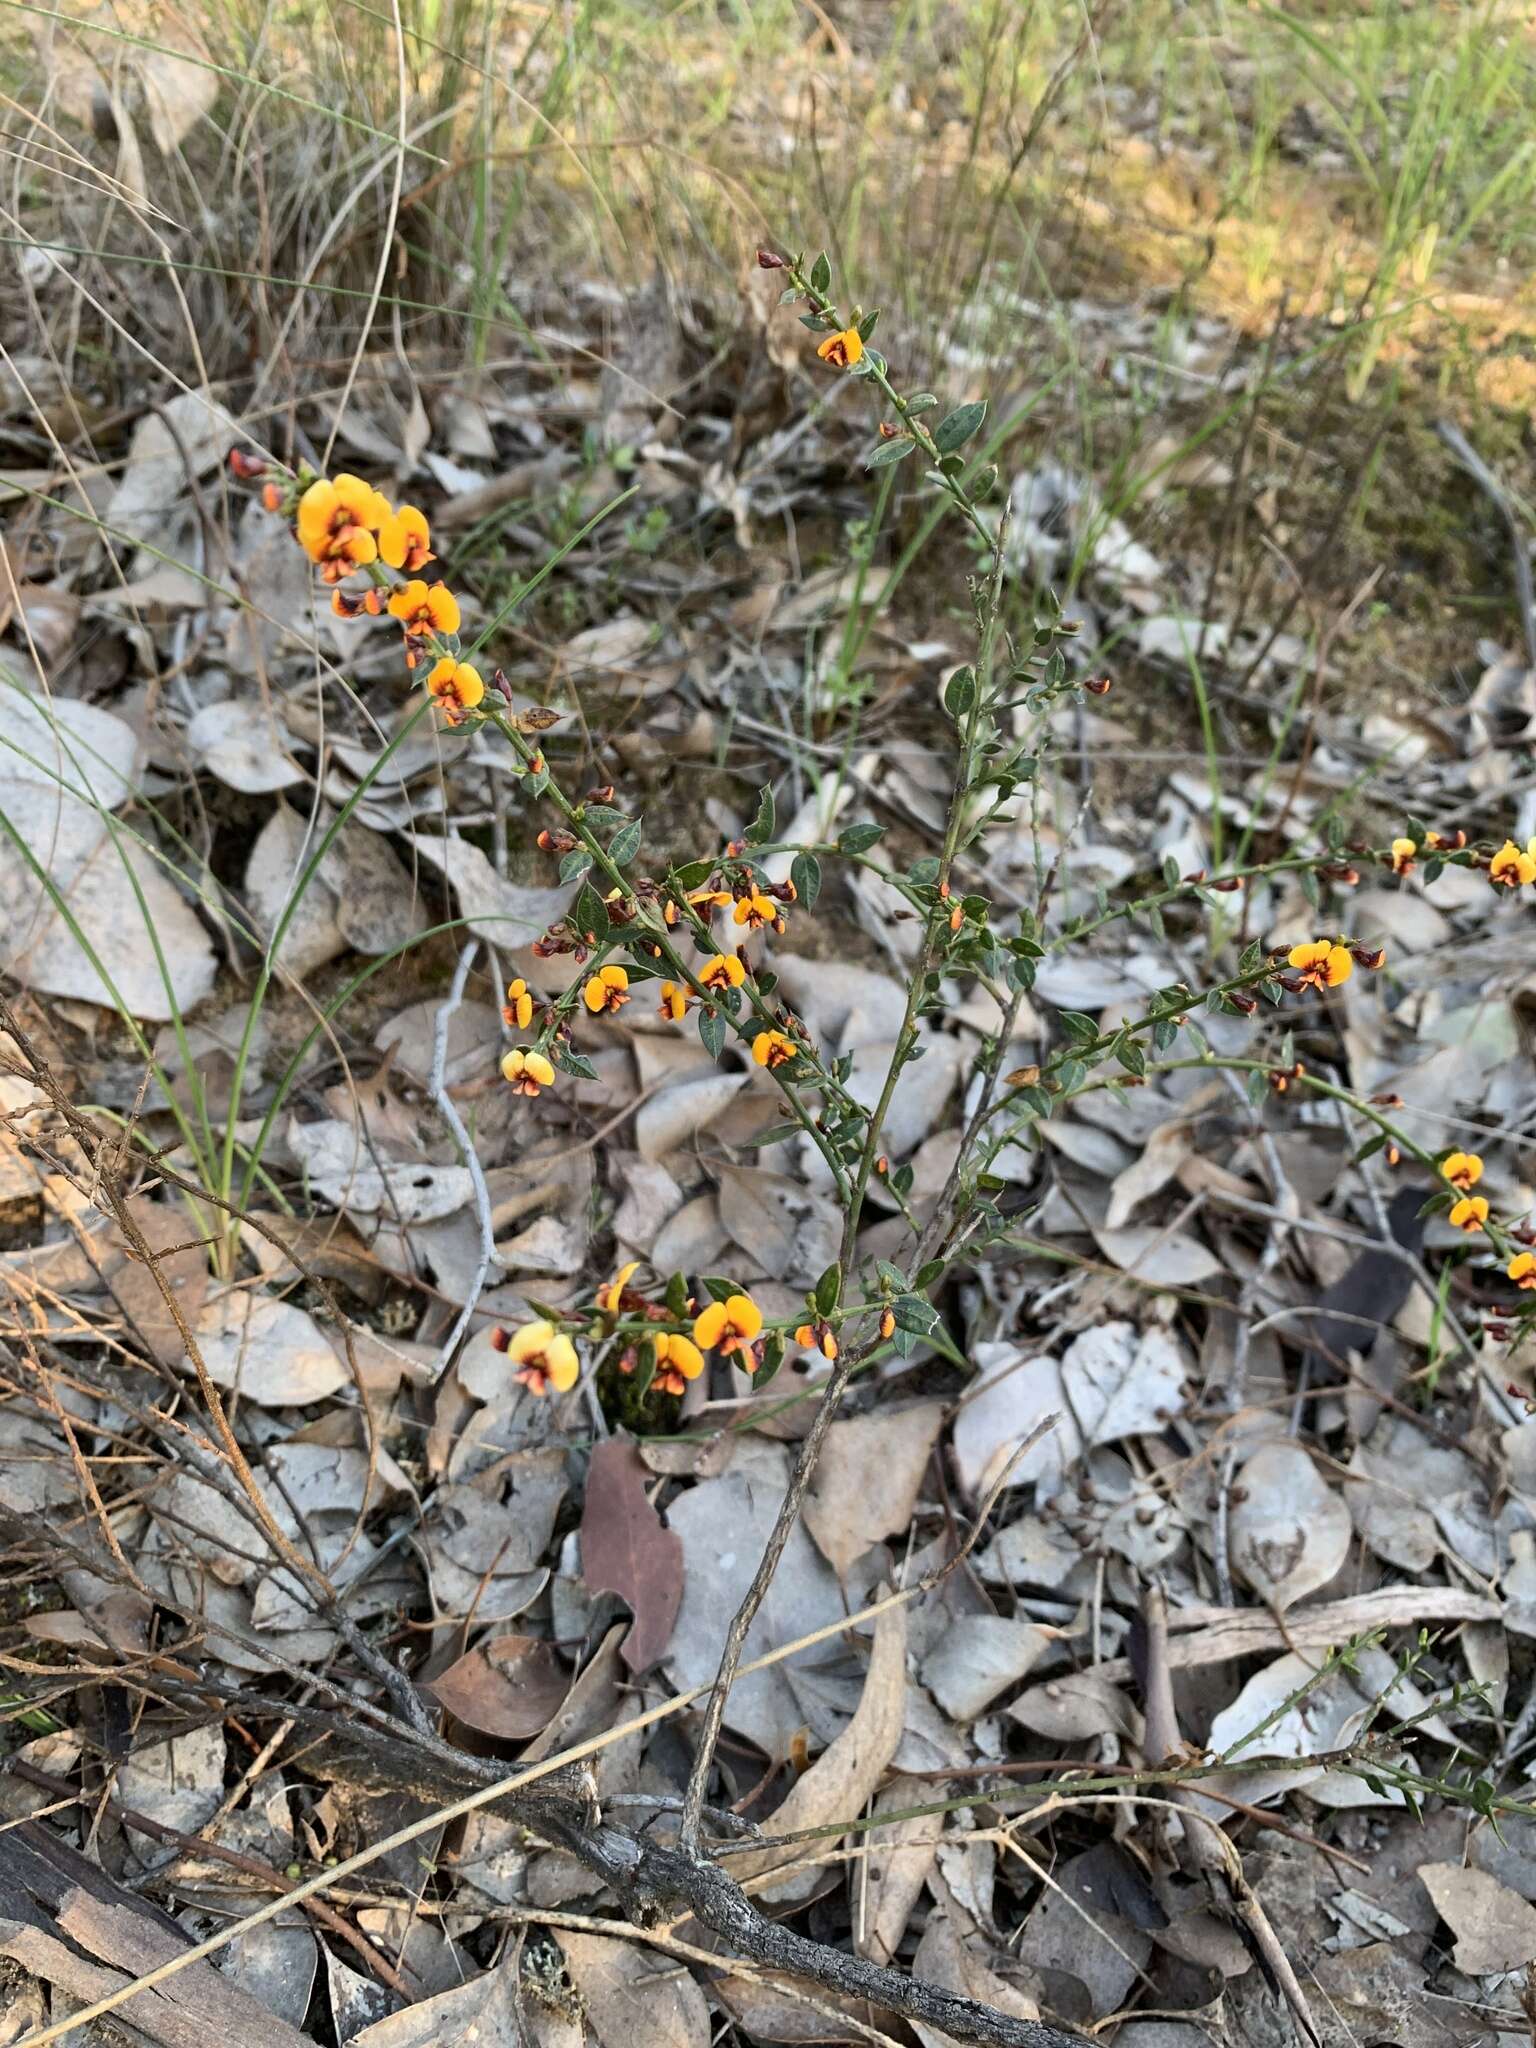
<point>674,1001</point>
<point>405,541</point>
<point>608,989</point>
<point>338,521</point>
<point>1462,1169</point>
<point>723,971</point>
<point>1470,1213</point>
<point>772,1049</point>
<point>1522,1269</point>
<point>755,911</point>
<point>457,686</point>
<point>609,1297</point>
<point>1403,851</point>
<point>1511,868</point>
<point>1321,964</point>
<point>545,1358</point>
<point>527,1070</point>
<point>728,1326</point>
<point>424,609</point>
<point>842,350</point>
<point>818,1336</point>
<point>678,1360</point>
<point>518,1009</point>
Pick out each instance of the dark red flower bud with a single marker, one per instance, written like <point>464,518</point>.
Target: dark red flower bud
<point>767,260</point>
<point>246,467</point>
<point>1099,686</point>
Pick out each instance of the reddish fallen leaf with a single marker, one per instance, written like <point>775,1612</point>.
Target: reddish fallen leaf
<point>509,1687</point>
<point>625,1550</point>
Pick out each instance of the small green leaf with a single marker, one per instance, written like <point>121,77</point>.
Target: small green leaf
<point>884,453</point>
<point>1131,1057</point>
<point>625,843</point>
<point>860,838</point>
<point>693,873</point>
<point>1081,1029</point>
<point>923,401</point>
<point>957,427</point>
<point>805,873</point>
<point>677,1295</point>
<point>960,692</point>
<point>717,1287</point>
<point>569,1061</point>
<point>575,864</point>
<point>829,1289</point>
<point>760,831</point>
<point>590,914</point>
<point>1257,1087</point>
<point>984,482</point>
<point>773,1358</point>
<point>867,323</point>
<point>774,1135</point>
<point>1170,872</point>
<point>712,1032</point>
<point>821,272</point>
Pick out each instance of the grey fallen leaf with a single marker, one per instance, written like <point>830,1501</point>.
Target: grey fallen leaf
<point>867,1479</point>
<point>62,743</point>
<point>1391,1521</point>
<point>901,1856</point>
<point>629,2002</point>
<point>239,743</point>
<point>1094,1150</point>
<point>843,1778</point>
<point>154,478</point>
<point>724,1524</point>
<point>270,1351</point>
<point>977,1657</point>
<point>1121,1381</point>
<point>922,1091</point>
<point>1283,1712</point>
<point>677,1114</point>
<point>484,2011</point>
<point>1076,1929</point>
<point>947,1958</point>
<point>179,1782</point>
<point>356,2000</point>
<point>827,992</point>
<point>1077,1707</point>
<point>503,912</point>
<point>355,894</point>
<point>97,880</point>
<point>1495,1928</point>
<point>276,1964</point>
<point>614,644</point>
<point>1161,1157</point>
<point>349,1173</point>
<point>792,1231</point>
<point>1289,1532</point>
<point>692,1240</point>
<point>1010,1396</point>
<point>1167,1258</point>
